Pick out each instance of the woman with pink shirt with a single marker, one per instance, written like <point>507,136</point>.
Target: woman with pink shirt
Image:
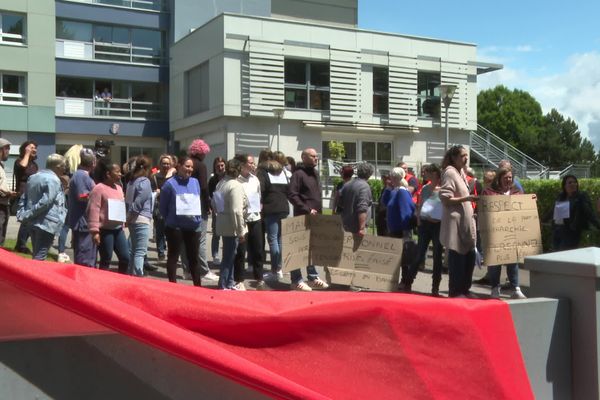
<point>106,216</point>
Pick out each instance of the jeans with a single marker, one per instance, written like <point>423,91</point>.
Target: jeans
<point>62,238</point>
<point>460,272</point>
<point>296,275</point>
<point>161,240</point>
<point>230,244</point>
<point>41,242</point>
<point>22,237</point>
<point>428,232</point>
<point>273,228</point>
<point>202,246</point>
<point>84,249</point>
<point>138,235</point>
<point>214,244</point>
<point>512,270</point>
<point>176,239</point>
<point>254,245</point>
<point>113,240</point>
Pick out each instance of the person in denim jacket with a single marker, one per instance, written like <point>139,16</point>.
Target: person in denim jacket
<point>42,207</point>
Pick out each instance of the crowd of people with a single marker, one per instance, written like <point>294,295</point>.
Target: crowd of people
<point>99,201</point>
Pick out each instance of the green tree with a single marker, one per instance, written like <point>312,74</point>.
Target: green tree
<point>336,150</point>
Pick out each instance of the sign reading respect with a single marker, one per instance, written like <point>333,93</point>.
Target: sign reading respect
<point>369,262</point>
<point>510,228</point>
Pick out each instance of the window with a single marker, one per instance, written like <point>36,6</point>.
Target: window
<point>12,88</point>
<point>197,90</point>
<point>377,153</point>
<point>71,30</point>
<point>428,99</point>
<point>349,150</point>
<point>75,87</point>
<point>12,28</point>
<point>307,84</point>
<point>380,90</point>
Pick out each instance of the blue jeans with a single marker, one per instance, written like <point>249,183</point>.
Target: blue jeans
<point>214,244</point>
<point>41,242</point>
<point>226,280</point>
<point>296,275</point>
<point>159,233</point>
<point>62,238</point>
<point>138,235</point>
<point>512,270</point>
<point>203,229</point>
<point>460,272</point>
<point>113,240</point>
<point>22,236</point>
<point>428,232</point>
<point>273,229</point>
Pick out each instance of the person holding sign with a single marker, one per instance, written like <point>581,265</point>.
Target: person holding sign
<point>180,208</point>
<point>573,213</point>
<point>503,185</point>
<point>355,201</point>
<point>457,230</point>
<point>254,243</point>
<point>232,204</point>
<point>106,216</point>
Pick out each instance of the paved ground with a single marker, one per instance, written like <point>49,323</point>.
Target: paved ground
<point>422,284</point>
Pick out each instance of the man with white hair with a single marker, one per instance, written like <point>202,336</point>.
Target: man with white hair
<point>5,193</point>
<point>42,206</point>
<point>355,201</point>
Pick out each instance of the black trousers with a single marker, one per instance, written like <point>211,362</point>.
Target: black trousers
<point>191,240</point>
<point>4,214</point>
<point>254,246</point>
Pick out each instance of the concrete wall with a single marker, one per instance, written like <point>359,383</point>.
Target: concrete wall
<point>343,12</point>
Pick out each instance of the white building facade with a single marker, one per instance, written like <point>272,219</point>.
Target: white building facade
<point>238,80</point>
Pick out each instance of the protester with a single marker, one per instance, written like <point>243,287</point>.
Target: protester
<point>80,186</point>
<point>231,203</point>
<point>381,216</point>
<point>42,206</point>
<point>218,173</point>
<point>197,152</point>
<point>64,232</point>
<point>274,185</point>
<point>503,185</point>
<point>157,181</point>
<point>139,214</point>
<point>411,179</point>
<point>24,167</point>
<point>355,201</point>
<point>6,195</point>
<point>346,174</point>
<point>457,230</point>
<point>305,196</point>
<point>180,208</point>
<point>429,217</point>
<point>573,213</point>
<point>106,215</point>
<point>400,207</point>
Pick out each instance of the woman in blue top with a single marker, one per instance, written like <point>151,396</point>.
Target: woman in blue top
<point>180,208</point>
<point>139,214</point>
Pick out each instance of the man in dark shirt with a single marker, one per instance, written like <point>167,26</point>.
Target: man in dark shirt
<point>25,166</point>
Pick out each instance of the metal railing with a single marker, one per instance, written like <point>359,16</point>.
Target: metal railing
<point>116,108</point>
<point>492,149</point>
<point>579,170</point>
<point>147,5</point>
<point>115,52</point>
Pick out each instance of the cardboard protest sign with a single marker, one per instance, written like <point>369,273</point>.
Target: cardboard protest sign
<point>369,262</point>
<point>295,242</point>
<point>510,228</point>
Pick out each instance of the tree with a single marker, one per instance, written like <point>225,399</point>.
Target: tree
<point>336,150</point>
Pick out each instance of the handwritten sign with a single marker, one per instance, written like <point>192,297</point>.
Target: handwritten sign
<point>368,262</point>
<point>510,228</point>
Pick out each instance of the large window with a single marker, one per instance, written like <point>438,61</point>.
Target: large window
<point>12,28</point>
<point>307,84</point>
<point>12,88</point>
<point>349,151</point>
<point>380,90</point>
<point>115,43</point>
<point>377,153</point>
<point>197,92</point>
<point>428,100</point>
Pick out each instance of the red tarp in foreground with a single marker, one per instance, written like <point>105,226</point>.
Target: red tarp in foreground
<point>285,344</point>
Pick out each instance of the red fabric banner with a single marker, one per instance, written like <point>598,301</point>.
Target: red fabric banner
<point>288,345</point>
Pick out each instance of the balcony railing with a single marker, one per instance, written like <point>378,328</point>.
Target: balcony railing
<point>151,5</point>
<point>125,53</point>
<point>117,108</point>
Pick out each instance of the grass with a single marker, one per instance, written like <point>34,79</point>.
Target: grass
<point>9,245</point>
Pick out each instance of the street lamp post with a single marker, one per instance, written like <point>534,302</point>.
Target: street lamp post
<point>278,112</point>
<point>447,92</point>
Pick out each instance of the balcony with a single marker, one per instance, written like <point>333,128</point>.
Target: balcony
<point>115,109</point>
<point>98,51</point>
<point>147,5</point>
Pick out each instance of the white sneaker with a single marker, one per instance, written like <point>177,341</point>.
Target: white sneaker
<point>63,258</point>
<point>211,276</point>
<point>279,275</point>
<point>318,284</point>
<point>495,292</point>
<point>301,287</point>
<point>517,294</point>
<point>239,286</point>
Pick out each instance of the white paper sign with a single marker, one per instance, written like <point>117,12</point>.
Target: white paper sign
<point>187,204</point>
<point>116,210</point>
<point>561,210</point>
<point>219,202</point>
<point>253,203</point>
<point>278,179</point>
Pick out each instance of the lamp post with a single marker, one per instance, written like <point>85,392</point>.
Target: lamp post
<point>447,92</point>
<point>278,112</point>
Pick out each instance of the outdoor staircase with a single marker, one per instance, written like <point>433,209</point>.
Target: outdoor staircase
<point>491,149</point>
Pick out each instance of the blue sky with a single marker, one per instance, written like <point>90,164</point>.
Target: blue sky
<point>549,48</point>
